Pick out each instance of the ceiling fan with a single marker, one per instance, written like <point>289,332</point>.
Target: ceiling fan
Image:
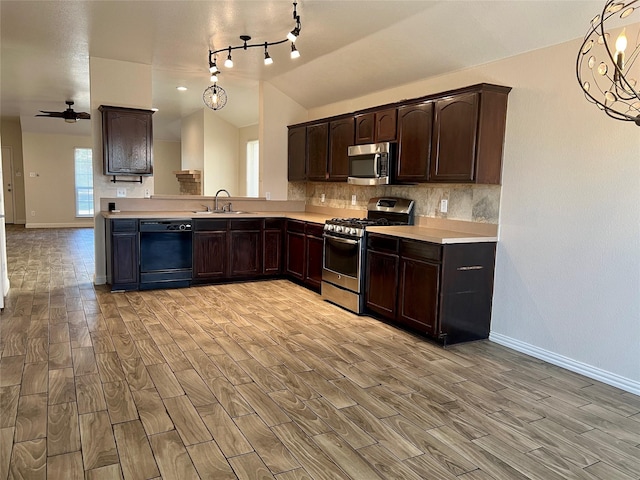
<point>69,115</point>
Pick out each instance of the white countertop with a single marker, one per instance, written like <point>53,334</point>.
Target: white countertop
<point>425,234</point>
<point>433,235</point>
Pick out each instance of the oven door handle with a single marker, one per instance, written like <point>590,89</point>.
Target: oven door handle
<point>342,240</point>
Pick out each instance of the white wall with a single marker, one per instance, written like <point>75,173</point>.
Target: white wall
<point>276,111</point>
<point>220,155</point>
<point>567,285</point>
<point>50,195</point>
<point>192,141</point>
<point>166,160</point>
<point>245,134</point>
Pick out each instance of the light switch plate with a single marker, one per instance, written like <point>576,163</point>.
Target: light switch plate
<point>353,199</point>
<point>444,205</point>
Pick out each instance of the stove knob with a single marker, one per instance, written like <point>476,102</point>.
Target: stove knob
<point>352,231</point>
<point>338,228</point>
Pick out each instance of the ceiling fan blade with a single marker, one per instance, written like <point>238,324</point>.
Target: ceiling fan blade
<point>83,116</point>
<point>46,111</point>
<point>52,114</point>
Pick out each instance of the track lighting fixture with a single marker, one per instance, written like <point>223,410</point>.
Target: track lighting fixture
<point>213,92</point>
<point>267,58</point>
<point>228,62</point>
<point>294,51</point>
<point>213,67</point>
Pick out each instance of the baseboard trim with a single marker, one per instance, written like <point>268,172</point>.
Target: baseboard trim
<point>603,376</point>
<point>99,280</point>
<point>60,225</point>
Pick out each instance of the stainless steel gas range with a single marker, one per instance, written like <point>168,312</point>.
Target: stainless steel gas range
<point>343,267</point>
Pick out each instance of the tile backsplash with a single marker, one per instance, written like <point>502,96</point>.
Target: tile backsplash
<point>472,203</point>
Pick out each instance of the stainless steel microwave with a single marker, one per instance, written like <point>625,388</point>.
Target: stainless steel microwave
<point>370,164</point>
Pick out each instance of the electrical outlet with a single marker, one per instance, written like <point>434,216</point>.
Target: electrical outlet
<point>121,192</point>
<point>444,205</point>
<point>322,198</point>
<point>353,199</point>
<point>32,174</point>
<point>33,213</point>
<point>267,195</point>
<point>147,193</point>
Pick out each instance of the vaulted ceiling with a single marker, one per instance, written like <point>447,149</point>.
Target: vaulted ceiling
<point>349,48</point>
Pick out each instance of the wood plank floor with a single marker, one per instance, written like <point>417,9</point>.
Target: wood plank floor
<point>265,380</point>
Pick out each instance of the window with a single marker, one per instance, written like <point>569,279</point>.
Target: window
<point>253,168</point>
<point>84,182</point>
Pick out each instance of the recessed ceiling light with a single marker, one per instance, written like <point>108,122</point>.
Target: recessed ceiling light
<point>182,89</point>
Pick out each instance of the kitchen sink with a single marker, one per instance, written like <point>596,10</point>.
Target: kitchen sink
<point>221,212</point>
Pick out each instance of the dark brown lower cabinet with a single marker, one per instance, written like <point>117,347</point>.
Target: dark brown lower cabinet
<point>123,254</point>
<point>304,249</point>
<point>272,246</point>
<point>314,245</point>
<point>418,295</point>
<point>295,251</point>
<point>382,271</point>
<point>245,248</point>
<point>209,255</point>
<point>443,291</point>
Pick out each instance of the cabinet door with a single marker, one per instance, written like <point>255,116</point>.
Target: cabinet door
<point>317,151</point>
<point>418,295</point>
<point>414,142</point>
<point>295,260</point>
<point>127,136</point>
<point>382,282</point>
<point>386,125</point>
<point>296,154</point>
<point>365,130</point>
<point>340,138</point>
<point>124,258</point>
<point>272,252</point>
<point>244,253</point>
<point>313,270</point>
<point>454,139</point>
<point>209,254</point>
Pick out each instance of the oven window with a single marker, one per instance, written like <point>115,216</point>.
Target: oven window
<point>341,257</point>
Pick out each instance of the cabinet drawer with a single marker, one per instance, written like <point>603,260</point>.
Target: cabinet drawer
<point>124,225</point>
<point>421,250</point>
<point>314,229</point>
<point>252,224</point>
<point>383,243</point>
<point>295,226</point>
<point>209,225</point>
<point>272,223</point>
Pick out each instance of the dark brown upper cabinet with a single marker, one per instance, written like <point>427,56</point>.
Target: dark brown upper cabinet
<point>415,124</point>
<point>317,151</point>
<point>297,154</point>
<point>454,137</point>
<point>341,134</point>
<point>127,138</point>
<point>378,126</point>
<point>468,136</point>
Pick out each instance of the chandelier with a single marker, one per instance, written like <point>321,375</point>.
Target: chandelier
<point>215,96</point>
<point>609,73</point>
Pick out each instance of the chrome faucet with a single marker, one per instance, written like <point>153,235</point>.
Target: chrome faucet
<point>216,199</point>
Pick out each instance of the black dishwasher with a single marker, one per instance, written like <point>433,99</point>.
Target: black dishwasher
<point>165,253</point>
